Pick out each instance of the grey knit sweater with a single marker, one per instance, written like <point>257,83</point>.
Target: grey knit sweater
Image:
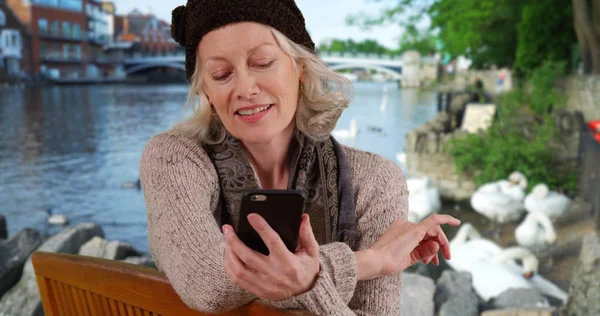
<point>181,189</point>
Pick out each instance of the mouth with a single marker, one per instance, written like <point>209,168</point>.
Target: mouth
<point>253,110</point>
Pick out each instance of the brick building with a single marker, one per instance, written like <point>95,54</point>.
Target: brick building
<point>151,35</point>
<point>67,36</point>
<point>15,45</point>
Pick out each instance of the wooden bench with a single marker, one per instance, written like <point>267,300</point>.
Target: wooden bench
<point>80,285</point>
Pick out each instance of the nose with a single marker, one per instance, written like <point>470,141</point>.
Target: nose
<point>246,87</point>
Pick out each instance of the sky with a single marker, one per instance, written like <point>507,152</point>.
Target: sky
<point>324,18</point>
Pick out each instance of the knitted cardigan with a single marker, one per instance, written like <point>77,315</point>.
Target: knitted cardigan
<point>181,190</point>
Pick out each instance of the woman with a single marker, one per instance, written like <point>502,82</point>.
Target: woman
<point>267,105</point>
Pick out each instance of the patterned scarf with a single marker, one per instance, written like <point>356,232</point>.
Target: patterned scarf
<point>320,169</point>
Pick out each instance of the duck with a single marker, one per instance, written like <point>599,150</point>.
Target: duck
<point>536,232</point>
<point>56,219</point>
<point>501,201</point>
<point>541,199</point>
<point>423,198</point>
<point>132,184</point>
<point>347,133</point>
<point>494,269</point>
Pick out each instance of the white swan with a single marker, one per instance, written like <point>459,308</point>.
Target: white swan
<point>501,201</point>
<point>56,219</point>
<point>536,232</point>
<point>541,199</point>
<point>401,158</point>
<point>423,199</point>
<point>493,269</point>
<point>347,133</point>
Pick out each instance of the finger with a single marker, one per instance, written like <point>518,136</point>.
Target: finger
<point>437,233</point>
<point>444,243</point>
<point>436,260</point>
<point>426,250</point>
<point>268,235</point>
<point>253,259</point>
<point>440,219</point>
<point>307,237</point>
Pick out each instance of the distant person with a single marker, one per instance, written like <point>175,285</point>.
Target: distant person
<point>500,82</point>
<point>266,107</point>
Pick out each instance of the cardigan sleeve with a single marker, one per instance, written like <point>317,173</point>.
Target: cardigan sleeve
<point>382,198</point>
<point>183,236</point>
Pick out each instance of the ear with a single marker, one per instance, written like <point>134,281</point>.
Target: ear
<point>302,70</point>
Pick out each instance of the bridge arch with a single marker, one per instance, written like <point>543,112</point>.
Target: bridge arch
<point>394,74</point>
<point>145,66</point>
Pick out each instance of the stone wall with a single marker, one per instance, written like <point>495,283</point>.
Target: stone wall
<point>426,156</point>
<point>488,77</point>
<point>584,95</point>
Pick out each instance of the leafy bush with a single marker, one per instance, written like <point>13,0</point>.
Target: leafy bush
<point>521,136</point>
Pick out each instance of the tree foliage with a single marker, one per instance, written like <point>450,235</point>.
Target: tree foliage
<point>505,33</point>
<point>368,46</point>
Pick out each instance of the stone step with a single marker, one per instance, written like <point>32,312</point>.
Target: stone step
<point>541,311</point>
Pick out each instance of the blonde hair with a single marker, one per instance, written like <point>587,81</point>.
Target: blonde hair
<point>323,95</point>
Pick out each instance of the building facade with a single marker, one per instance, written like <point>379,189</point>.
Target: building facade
<point>15,45</point>
<point>151,34</point>
<point>67,37</point>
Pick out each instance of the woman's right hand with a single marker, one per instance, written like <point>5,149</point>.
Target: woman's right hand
<point>405,243</point>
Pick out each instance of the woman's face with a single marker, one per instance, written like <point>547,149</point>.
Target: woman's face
<point>252,84</point>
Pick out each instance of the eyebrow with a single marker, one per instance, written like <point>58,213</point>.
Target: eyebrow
<point>250,52</point>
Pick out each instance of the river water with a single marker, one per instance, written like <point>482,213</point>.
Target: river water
<point>70,149</point>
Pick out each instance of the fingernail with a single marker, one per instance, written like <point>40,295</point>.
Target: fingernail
<point>254,221</point>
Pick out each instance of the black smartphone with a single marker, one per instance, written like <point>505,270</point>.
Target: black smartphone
<point>282,209</point>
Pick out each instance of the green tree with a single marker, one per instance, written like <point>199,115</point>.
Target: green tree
<point>425,42</point>
<point>542,33</point>
<point>496,31</point>
<point>368,46</point>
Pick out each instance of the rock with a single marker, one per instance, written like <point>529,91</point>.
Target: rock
<point>455,295</point>
<point>416,297</point>
<point>540,311</point>
<point>584,292</point>
<point>3,230</point>
<point>141,261</point>
<point>457,306</point>
<point>24,298</point>
<point>114,250</point>
<point>13,254</point>
<point>518,298</point>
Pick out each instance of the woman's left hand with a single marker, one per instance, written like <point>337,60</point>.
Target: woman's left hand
<point>280,275</point>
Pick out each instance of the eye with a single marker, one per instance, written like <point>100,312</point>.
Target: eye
<point>263,65</point>
<point>220,76</point>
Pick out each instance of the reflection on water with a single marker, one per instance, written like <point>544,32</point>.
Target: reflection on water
<point>69,149</point>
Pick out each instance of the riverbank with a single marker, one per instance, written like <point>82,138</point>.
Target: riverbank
<point>427,290</point>
<point>19,295</point>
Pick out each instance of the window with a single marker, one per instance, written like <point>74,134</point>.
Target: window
<point>66,29</point>
<point>75,5</point>
<point>78,51</point>
<point>66,51</point>
<point>43,26</point>
<point>76,31</point>
<point>55,28</point>
<point>43,48</point>
<point>2,18</point>
<point>14,41</point>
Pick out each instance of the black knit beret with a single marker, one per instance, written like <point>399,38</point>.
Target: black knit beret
<point>191,22</point>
